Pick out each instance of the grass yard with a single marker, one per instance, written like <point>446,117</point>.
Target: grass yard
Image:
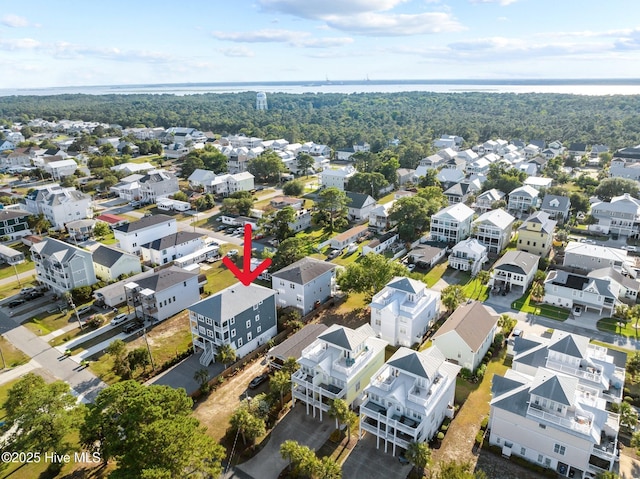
<point>434,275</point>
<point>12,356</point>
<point>525,305</point>
<point>386,199</point>
<point>8,271</point>
<point>474,289</point>
<point>613,325</point>
<point>44,323</point>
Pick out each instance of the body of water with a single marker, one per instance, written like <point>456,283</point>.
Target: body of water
<point>576,87</point>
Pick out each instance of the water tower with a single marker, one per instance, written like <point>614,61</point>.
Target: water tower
<point>261,101</point>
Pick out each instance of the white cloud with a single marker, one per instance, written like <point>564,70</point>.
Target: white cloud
<point>319,10</point>
<point>504,3</point>
<point>374,24</point>
<point>14,21</point>
<point>19,44</point>
<point>236,51</point>
<point>290,37</point>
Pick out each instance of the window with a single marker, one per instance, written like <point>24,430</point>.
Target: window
<point>202,329</point>
<point>257,317</point>
<point>240,343</point>
<point>248,323</point>
<point>233,321</point>
<point>292,286</point>
<point>209,333</point>
<point>558,449</point>
<point>547,462</point>
<point>233,333</point>
<point>209,321</point>
<point>259,329</point>
<point>174,299</point>
<point>540,458</point>
<point>378,322</point>
<point>358,386</point>
<point>523,451</point>
<point>255,307</point>
<point>249,336</point>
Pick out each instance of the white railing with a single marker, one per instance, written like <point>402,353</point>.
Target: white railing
<point>557,365</point>
<point>561,421</point>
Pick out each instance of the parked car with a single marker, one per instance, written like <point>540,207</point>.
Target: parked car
<point>352,248</point>
<point>35,294</point>
<point>16,302</point>
<point>84,309</point>
<point>26,291</point>
<point>334,254</point>
<point>133,326</point>
<point>577,310</point>
<point>119,319</point>
<point>232,253</point>
<point>411,266</point>
<point>258,380</point>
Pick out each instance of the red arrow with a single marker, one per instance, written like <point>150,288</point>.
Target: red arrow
<point>246,276</point>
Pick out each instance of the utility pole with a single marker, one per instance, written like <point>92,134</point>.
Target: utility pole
<point>17,275</point>
<point>4,364</point>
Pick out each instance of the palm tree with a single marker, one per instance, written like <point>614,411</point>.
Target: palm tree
<point>452,297</point>
<point>327,468</point>
<point>483,278</point>
<point>340,411</point>
<point>201,376</point>
<point>226,354</point>
<point>419,455</point>
<point>537,291</point>
<point>280,383</point>
<point>290,366</point>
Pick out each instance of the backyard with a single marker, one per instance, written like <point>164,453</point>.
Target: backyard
<point>526,305</point>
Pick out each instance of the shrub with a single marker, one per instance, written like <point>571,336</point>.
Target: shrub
<point>481,371</point>
<point>444,428</point>
<point>465,373</point>
<point>484,423</point>
<point>440,436</point>
<point>480,438</point>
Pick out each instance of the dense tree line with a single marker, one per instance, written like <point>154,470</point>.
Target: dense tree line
<point>339,120</point>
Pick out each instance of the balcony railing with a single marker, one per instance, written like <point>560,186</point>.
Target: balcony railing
<point>594,376</point>
<point>581,425</point>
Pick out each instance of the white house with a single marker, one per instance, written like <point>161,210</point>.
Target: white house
<point>465,337</point>
<point>379,216</point>
<point>132,168</point>
<point>408,398</point>
<point>128,188</point>
<point>157,184</point>
<point>551,407</point>
<point>493,229</point>
<point>62,266</point>
<point>171,247</point>
<point>538,182</point>
<point>227,184</point>
<point>627,288</point>
<point>589,257</point>
<point>59,205</point>
<point>425,256</point>
<point>381,244</point>
<point>305,284</point>
<point>162,294</point>
<point>523,199</point>
<point>515,268</point>
<point>111,263</point>
<point>619,216</point>
<point>241,316</point>
<point>403,311</point>
<point>360,206</point>
<point>337,178</point>
<point>347,237</point>
<point>132,236</point>
<point>468,255</point>
<point>60,169</point>
<point>484,201</point>
<point>557,207</point>
<point>580,293</point>
<point>452,224</point>
<point>337,365</point>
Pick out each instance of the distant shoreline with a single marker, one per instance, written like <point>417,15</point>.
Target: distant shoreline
<point>585,86</point>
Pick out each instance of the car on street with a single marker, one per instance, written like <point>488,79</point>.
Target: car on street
<point>119,319</point>
<point>16,302</point>
<point>35,294</point>
<point>133,326</point>
<point>84,309</point>
<point>258,380</point>
<point>26,291</point>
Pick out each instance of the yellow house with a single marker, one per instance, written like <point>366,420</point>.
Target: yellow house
<point>535,236</point>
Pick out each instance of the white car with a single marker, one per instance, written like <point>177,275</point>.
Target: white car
<point>119,319</point>
<point>411,266</point>
<point>232,253</point>
<point>84,309</point>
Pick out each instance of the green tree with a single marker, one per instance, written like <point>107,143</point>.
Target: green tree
<point>628,415</point>
<point>635,440</point>
<point>452,297</point>
<point>340,411</point>
<point>278,223</point>
<point>482,278</point>
<point>411,213</point>
<point>293,188</point>
<point>289,251</point>
<point>610,187</point>
<point>118,350</point>
<point>181,196</point>
<point>192,162</point>
<point>101,229</point>
<point>280,383</point>
<point>457,470</point>
<point>430,179</point>
<point>327,468</point>
<point>226,354</point>
<point>107,149</point>
<point>507,322</point>
<point>419,455</point>
<point>149,430</point>
<point>537,291</point>
<point>247,425</point>
<point>367,183</point>
<point>138,357</point>
<point>237,206</point>
<point>332,207</point>
<point>266,167</point>
<point>579,202</point>
<point>291,365</point>
<point>369,275</point>
<point>201,376</point>
<point>38,223</point>
<point>633,365</point>
<point>81,294</point>
<point>302,460</point>
<point>40,416</point>
<point>305,163</point>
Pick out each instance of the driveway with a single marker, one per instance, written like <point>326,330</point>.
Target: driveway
<point>297,426</point>
<point>367,462</point>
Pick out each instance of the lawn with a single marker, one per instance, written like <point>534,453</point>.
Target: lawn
<point>525,305</point>
<point>613,325</point>
<point>434,275</point>
<point>11,356</point>
<point>386,199</point>
<point>45,323</point>
<point>10,271</point>
<point>219,276</point>
<point>474,289</point>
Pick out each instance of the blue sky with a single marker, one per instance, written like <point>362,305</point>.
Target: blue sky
<point>67,43</point>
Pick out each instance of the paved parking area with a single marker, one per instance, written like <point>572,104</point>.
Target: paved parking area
<point>367,462</point>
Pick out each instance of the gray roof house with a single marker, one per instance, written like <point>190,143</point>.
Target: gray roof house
<point>515,268</point>
<point>111,263</point>
<point>293,346</point>
<point>360,206</point>
<point>557,207</point>
<point>62,266</point>
<point>241,316</point>
<point>304,284</point>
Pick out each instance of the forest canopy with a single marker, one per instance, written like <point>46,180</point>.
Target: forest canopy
<point>340,120</point>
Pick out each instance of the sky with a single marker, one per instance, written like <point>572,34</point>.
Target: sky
<point>79,43</point>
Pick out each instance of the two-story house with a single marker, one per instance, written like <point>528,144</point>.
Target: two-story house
<point>466,335</point>
<point>171,247</point>
<point>110,263</point>
<point>337,365</point>
<point>337,178</point>
<point>619,216</point>
<point>485,201</point>
<point>62,266</point>
<point>14,223</point>
<point>514,269</point>
<point>379,217</point>
<point>360,206</point>
<point>241,316</point>
<point>551,407</point>
<point>408,398</point>
<point>132,236</point>
<point>403,311</point>
<point>581,293</point>
<point>557,207</point>
<point>523,199</point>
<point>493,229</point>
<point>589,257</point>
<point>59,205</point>
<point>157,184</point>
<point>452,224</point>
<point>535,235</point>
<point>305,284</point>
<point>468,255</point>
<point>162,294</point>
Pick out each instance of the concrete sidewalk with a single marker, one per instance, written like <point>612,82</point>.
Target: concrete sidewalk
<point>8,375</point>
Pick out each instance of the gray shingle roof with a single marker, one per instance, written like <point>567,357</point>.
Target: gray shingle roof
<point>344,337</point>
<point>555,387</point>
<point>357,199</point>
<point>293,346</point>
<point>142,223</point>
<point>570,345</point>
<point>472,321</point>
<point>424,364</point>
<point>165,278</point>
<point>563,203</point>
<point>407,285</point>
<point>106,256</point>
<point>517,262</point>
<point>12,214</point>
<point>232,301</point>
<point>304,271</point>
<point>172,240</point>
